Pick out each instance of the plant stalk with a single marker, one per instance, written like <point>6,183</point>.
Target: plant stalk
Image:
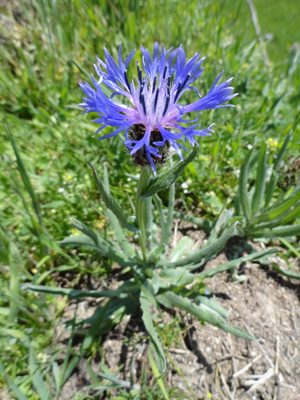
<point>142,214</point>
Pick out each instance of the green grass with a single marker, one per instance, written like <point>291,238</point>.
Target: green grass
<point>278,20</point>
<point>39,94</point>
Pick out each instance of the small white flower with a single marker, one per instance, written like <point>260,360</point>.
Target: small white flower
<point>61,190</point>
<point>249,146</point>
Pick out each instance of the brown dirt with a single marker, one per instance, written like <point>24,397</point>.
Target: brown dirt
<point>266,304</point>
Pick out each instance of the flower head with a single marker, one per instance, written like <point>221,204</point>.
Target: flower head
<point>153,116</point>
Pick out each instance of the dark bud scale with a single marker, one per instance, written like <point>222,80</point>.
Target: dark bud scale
<point>165,152</point>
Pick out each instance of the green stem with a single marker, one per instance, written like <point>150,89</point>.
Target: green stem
<point>168,225</point>
<point>142,214</point>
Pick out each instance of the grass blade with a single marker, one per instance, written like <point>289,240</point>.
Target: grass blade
<point>272,183</point>
<point>78,294</point>
<point>157,374</point>
<point>18,393</point>
<point>260,182</point>
<point>243,191</point>
<point>36,376</point>
<point>24,174</point>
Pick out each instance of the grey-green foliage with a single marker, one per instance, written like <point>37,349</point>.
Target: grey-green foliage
<point>267,214</point>
<point>156,280</point>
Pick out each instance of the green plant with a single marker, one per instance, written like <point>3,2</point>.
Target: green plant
<point>155,281</point>
<point>267,213</point>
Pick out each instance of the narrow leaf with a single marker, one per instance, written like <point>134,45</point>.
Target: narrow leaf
<point>280,210</point>
<point>243,191</point>
<point>11,384</point>
<point>157,374</point>
<point>165,239</point>
<point>131,287</point>
<point>213,304</point>
<point>260,182</point>
<point>274,176</point>
<point>171,300</point>
<point>123,242</point>
<point>166,178</point>
<point>182,247</point>
<point>202,223</point>
<point>93,241</point>
<point>285,272</point>
<point>284,231</point>
<point>207,251</point>
<point>111,203</point>
<point>236,263</point>
<point>159,353</point>
<point>36,376</point>
<point>24,175</point>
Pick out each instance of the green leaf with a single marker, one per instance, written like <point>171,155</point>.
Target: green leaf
<point>237,262</point>
<point>260,182</point>
<point>11,384</point>
<point>14,280</point>
<point>290,246</point>
<point>170,277</point>
<point>182,247</point>
<point>54,204</point>
<point>221,224</point>
<point>38,278</point>
<point>118,381</point>
<point>274,176</point>
<point>159,353</point>
<point>212,304</point>
<point>285,272</point>
<point>142,209</point>
<point>205,252</point>
<point>156,253</point>
<point>123,242</point>
<point>166,234</point>
<point>166,178</point>
<point>243,191</point>
<point>24,175</point>
<point>122,291</point>
<point>202,223</point>
<point>93,330</point>
<point>158,204</point>
<point>157,374</point>
<point>280,210</point>
<point>111,203</point>
<point>292,214</point>
<point>171,300</point>
<point>36,376</point>
<point>284,231</point>
<point>93,241</point>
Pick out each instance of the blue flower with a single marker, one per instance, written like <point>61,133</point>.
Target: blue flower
<point>152,115</point>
